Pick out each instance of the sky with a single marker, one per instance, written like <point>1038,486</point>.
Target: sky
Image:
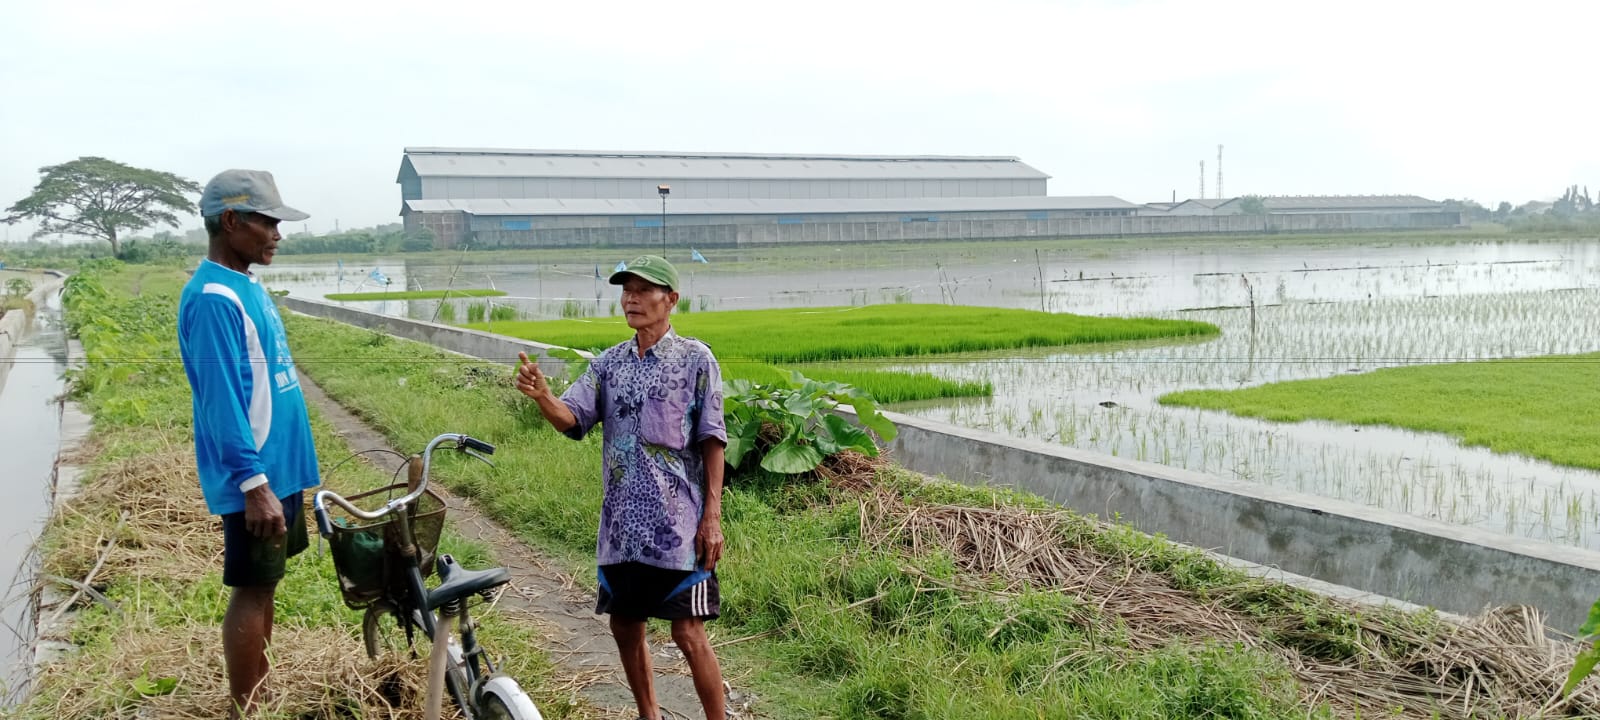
<point>1488,101</point>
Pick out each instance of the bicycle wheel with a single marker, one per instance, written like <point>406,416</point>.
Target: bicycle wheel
<point>493,708</point>
<point>382,632</point>
<point>501,698</point>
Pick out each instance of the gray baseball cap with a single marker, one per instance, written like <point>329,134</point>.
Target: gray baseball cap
<point>246,191</point>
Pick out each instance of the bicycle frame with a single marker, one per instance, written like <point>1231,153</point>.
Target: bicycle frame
<point>413,609</point>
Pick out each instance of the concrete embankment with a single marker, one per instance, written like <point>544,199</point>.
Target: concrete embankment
<point>14,325</point>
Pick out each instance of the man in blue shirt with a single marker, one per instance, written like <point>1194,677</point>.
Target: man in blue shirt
<point>253,445</point>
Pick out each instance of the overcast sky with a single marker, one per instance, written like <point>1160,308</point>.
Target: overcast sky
<point>1492,101</point>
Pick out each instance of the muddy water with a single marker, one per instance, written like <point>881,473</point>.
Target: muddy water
<point>1319,312</point>
<point>29,428</point>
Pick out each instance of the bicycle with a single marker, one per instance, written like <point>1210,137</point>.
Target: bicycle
<point>382,558</point>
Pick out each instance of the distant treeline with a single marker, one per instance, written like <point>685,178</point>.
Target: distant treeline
<point>1575,209</point>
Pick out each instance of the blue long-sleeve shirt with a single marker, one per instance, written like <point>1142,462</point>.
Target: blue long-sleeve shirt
<point>249,413</point>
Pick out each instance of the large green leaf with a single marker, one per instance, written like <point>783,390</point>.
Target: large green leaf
<point>1591,627</point>
<point>1581,669</point>
<point>822,437</point>
<point>790,458</point>
<point>741,440</point>
<point>867,414</point>
<point>800,405</point>
<point>849,436</point>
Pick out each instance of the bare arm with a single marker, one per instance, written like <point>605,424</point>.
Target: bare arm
<point>531,382</point>
<point>708,540</point>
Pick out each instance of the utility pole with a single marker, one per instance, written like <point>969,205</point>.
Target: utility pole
<point>1219,171</point>
<point>1202,180</point>
<point>664,191</point>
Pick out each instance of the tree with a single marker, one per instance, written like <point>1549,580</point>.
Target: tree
<point>99,198</point>
<point>1252,205</point>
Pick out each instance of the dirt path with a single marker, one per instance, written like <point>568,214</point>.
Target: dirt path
<point>579,641</point>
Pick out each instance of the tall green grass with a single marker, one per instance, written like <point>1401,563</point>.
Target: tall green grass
<point>1547,407</point>
<point>873,331</point>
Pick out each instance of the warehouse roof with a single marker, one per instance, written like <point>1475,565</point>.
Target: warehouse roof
<point>1343,202</point>
<point>646,206</point>
<point>473,162</point>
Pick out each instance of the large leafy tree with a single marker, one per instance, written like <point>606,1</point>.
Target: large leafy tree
<point>99,198</point>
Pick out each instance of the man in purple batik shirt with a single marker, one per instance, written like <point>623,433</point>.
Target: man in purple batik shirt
<point>659,398</point>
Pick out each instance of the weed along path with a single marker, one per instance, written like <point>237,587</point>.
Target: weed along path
<point>577,641</point>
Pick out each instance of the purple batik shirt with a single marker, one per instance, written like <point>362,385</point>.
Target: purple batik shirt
<point>656,411</point>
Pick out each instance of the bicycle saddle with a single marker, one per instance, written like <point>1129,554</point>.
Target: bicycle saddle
<point>458,583</point>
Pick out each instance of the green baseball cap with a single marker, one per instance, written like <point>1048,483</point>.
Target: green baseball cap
<point>246,191</point>
<point>654,268</point>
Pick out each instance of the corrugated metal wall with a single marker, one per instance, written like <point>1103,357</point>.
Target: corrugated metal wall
<point>604,233</point>
<point>467,188</point>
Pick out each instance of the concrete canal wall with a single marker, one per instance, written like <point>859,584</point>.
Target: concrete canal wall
<point>14,325</point>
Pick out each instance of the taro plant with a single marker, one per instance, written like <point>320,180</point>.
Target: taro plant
<point>1584,666</point>
<point>792,426</point>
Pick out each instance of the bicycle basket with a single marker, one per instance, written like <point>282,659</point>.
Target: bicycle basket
<point>366,554</point>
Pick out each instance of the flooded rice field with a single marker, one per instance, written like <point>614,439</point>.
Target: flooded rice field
<point>1286,313</point>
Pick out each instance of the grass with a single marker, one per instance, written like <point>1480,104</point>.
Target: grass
<point>165,568</point>
<point>844,344</point>
<point>794,570</point>
<point>823,616</point>
<point>827,620</point>
<point>414,295</point>
<point>867,332</point>
<point>1546,407</point>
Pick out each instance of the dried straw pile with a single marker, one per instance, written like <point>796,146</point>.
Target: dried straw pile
<point>168,541</point>
<point>316,673</point>
<point>1498,665</point>
<point>168,532</point>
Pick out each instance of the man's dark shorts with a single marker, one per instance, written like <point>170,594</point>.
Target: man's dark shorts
<point>249,561</point>
<point>637,590</point>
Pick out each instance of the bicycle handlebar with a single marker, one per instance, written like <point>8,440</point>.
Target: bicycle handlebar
<point>464,443</point>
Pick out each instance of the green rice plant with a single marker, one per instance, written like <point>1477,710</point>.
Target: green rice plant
<point>1530,406</point>
<point>502,313</point>
<point>447,312</point>
<point>685,306</point>
<point>873,331</point>
<point>571,309</point>
<point>476,312</point>
<point>414,295</point>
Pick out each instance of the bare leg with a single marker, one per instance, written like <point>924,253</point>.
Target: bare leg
<point>245,628</point>
<point>690,635</point>
<point>635,651</point>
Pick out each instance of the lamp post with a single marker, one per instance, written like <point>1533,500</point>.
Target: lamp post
<point>664,190</point>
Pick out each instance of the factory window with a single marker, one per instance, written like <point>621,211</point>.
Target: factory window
<point>919,218</point>
<point>646,222</point>
<point>791,220</point>
<point>516,224</point>
<point>1038,215</point>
